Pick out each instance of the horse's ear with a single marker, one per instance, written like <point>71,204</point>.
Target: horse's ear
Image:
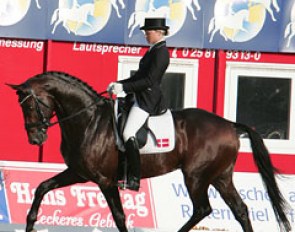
<point>14,87</point>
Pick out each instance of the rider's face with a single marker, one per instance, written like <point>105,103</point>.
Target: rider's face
<point>153,36</point>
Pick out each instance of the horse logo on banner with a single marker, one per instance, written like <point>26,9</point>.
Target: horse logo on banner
<point>240,20</point>
<point>13,11</point>
<point>84,18</point>
<point>175,11</point>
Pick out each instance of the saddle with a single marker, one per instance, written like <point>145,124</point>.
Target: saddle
<point>123,107</point>
<point>156,135</point>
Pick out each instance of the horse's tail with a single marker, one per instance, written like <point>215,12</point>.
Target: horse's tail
<point>267,172</point>
<point>54,16</point>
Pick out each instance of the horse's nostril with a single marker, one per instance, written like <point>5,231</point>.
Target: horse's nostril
<point>34,141</point>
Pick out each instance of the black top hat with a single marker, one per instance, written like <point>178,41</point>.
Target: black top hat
<point>155,24</point>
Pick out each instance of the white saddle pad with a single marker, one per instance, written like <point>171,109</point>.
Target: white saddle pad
<point>163,128</point>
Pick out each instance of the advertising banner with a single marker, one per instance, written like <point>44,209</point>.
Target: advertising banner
<point>252,25</point>
<point>185,19</point>
<point>23,19</point>
<point>287,41</point>
<point>162,203</point>
<point>86,20</point>
<point>79,205</point>
<point>248,185</point>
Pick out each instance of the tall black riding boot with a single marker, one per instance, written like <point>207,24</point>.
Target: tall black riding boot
<point>133,160</point>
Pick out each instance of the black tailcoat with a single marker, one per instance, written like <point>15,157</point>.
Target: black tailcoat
<point>146,82</point>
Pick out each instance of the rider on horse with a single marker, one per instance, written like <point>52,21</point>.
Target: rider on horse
<point>145,84</point>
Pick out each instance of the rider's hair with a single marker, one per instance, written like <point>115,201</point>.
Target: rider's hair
<point>164,33</point>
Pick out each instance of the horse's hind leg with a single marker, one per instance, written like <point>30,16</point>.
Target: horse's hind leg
<point>199,197</point>
<point>114,202</point>
<point>231,197</point>
<point>63,179</point>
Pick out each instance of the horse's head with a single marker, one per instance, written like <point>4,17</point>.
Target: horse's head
<point>37,107</point>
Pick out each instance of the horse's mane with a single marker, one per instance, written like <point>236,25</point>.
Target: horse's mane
<point>75,81</point>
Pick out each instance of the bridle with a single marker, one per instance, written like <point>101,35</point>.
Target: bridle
<point>44,122</point>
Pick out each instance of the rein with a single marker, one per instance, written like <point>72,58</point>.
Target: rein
<point>44,122</point>
<point>76,113</point>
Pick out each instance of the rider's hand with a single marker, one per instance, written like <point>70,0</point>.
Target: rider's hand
<point>110,87</point>
<point>115,88</point>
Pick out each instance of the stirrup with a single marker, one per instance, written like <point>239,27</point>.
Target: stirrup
<point>132,184</point>
<point>122,185</point>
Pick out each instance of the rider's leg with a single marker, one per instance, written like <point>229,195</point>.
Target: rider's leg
<point>135,121</point>
<point>133,164</point>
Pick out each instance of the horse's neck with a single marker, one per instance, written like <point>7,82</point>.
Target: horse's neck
<point>69,105</point>
<point>82,111</point>
<point>76,108</point>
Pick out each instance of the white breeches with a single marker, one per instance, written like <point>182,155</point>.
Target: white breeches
<point>135,120</point>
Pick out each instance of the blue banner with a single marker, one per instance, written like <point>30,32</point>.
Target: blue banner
<point>243,25</point>
<point>287,39</point>
<point>23,19</point>
<point>86,20</point>
<point>251,25</point>
<point>185,19</point>
<point>4,216</point>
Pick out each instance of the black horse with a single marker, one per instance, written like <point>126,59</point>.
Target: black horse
<point>206,149</point>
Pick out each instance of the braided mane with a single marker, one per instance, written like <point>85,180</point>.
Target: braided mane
<point>73,81</point>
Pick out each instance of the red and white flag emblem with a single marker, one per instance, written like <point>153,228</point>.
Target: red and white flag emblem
<point>163,142</point>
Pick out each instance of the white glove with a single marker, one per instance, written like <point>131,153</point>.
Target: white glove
<point>110,87</point>
<point>115,88</point>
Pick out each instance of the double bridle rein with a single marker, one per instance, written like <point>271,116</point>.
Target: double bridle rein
<point>44,122</point>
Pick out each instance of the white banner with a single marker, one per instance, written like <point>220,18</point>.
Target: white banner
<point>173,206</point>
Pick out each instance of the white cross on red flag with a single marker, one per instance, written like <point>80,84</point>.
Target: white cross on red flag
<point>163,142</point>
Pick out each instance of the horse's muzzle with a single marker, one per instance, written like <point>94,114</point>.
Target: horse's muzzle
<point>38,137</point>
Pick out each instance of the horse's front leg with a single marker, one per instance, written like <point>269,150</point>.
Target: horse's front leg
<point>114,202</point>
<point>131,31</point>
<point>65,178</point>
<point>190,8</point>
<point>55,25</point>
